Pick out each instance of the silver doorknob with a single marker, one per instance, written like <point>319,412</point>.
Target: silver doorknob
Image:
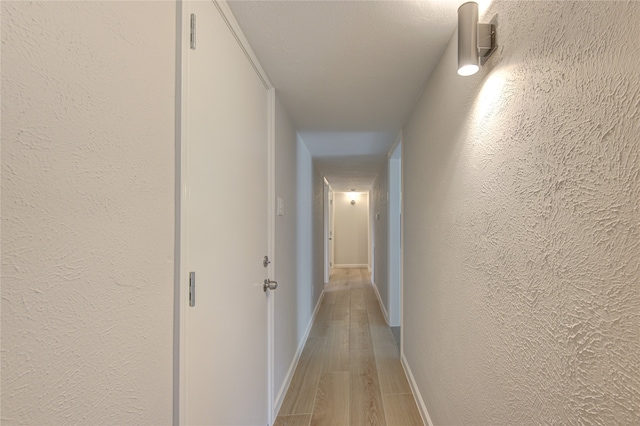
<point>269,284</point>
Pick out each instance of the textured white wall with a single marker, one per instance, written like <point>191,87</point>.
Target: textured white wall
<point>351,236</point>
<point>522,223</point>
<point>87,212</point>
<point>286,297</point>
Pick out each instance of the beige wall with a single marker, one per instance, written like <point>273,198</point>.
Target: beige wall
<point>88,95</point>
<point>522,232</point>
<point>351,236</point>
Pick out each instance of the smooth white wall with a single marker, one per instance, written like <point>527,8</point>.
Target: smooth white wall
<point>521,227</point>
<point>318,234</point>
<point>286,296</point>
<point>351,242</point>
<point>88,113</point>
<point>304,236</point>
<point>380,218</point>
<point>310,236</point>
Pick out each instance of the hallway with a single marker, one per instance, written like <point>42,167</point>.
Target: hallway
<point>349,372</point>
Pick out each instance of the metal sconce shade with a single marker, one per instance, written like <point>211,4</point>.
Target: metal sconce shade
<point>476,42</point>
<point>468,60</point>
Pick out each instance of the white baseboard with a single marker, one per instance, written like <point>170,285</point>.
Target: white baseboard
<point>294,363</point>
<point>426,418</point>
<point>382,308</point>
<point>350,265</point>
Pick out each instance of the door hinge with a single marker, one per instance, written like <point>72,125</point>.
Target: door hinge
<point>192,289</point>
<point>192,32</point>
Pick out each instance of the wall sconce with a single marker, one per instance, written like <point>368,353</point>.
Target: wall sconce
<point>352,196</point>
<point>476,42</point>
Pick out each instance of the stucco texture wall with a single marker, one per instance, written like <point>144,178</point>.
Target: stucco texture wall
<point>522,223</point>
<point>88,95</point>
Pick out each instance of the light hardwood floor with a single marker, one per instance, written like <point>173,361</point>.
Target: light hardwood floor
<point>349,372</point>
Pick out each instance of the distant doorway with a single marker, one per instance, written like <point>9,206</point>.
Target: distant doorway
<point>351,224</point>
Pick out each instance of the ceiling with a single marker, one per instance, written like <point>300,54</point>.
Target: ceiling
<point>348,72</point>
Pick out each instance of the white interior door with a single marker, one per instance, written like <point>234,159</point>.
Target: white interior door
<point>224,352</point>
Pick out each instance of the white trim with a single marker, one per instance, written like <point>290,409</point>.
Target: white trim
<point>183,284</point>
<point>382,308</point>
<point>371,237</point>
<point>271,249</point>
<point>228,17</point>
<point>296,358</point>
<point>332,213</point>
<point>177,272</point>
<point>426,418</point>
<point>396,142</point>
<point>351,265</point>
<point>402,239</point>
<point>326,190</point>
<point>394,233</point>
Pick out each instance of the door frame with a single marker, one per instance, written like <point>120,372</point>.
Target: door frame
<point>395,234</point>
<point>328,231</point>
<point>181,189</point>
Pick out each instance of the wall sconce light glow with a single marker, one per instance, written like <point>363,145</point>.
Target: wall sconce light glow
<point>494,101</point>
<point>490,95</point>
<point>467,70</point>
<point>353,196</point>
<point>476,42</point>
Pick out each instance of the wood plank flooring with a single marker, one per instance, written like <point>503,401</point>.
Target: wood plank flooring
<point>349,373</point>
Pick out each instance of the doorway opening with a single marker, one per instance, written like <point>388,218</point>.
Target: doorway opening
<point>351,225</point>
